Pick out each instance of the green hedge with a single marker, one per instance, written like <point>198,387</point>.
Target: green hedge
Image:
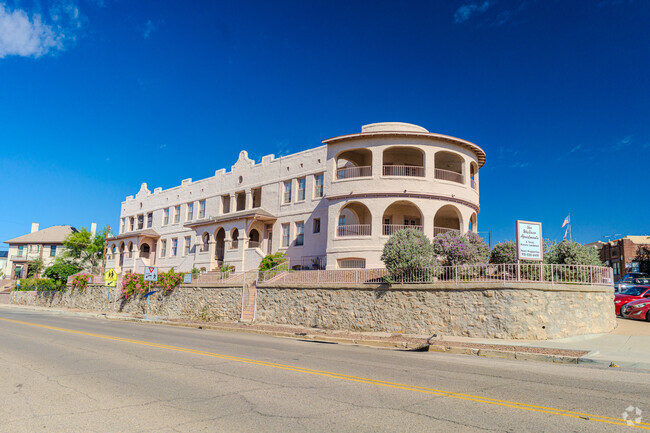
<point>38,284</point>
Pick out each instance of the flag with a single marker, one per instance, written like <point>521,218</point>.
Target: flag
<point>565,233</point>
<point>567,220</point>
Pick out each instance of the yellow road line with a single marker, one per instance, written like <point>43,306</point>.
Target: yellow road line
<point>467,397</point>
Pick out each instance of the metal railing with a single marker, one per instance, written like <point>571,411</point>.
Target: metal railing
<point>234,244</point>
<point>354,230</point>
<point>389,229</point>
<point>439,230</point>
<point>403,170</point>
<point>254,244</point>
<point>449,175</point>
<point>218,277</point>
<point>351,172</point>
<point>527,273</point>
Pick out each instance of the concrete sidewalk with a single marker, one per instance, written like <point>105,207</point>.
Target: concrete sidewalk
<point>627,346</point>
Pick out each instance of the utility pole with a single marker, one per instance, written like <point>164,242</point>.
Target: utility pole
<point>108,229</point>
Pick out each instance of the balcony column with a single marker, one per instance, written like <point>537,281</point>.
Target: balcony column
<point>377,162</point>
<point>428,215</point>
<point>212,252</point>
<point>249,199</point>
<point>233,203</point>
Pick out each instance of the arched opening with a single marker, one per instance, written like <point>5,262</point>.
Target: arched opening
<point>449,166</point>
<point>121,253</point>
<point>113,251</point>
<point>145,250</point>
<point>234,239</point>
<point>253,239</point>
<point>220,246</point>
<point>473,175</point>
<point>472,224</point>
<point>354,163</point>
<point>205,242</point>
<point>130,250</point>
<point>403,161</point>
<point>401,215</point>
<point>447,219</point>
<point>354,220</point>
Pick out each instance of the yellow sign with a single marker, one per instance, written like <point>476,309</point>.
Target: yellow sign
<point>110,278</point>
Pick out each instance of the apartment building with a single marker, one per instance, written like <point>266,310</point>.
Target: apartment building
<point>332,206</point>
<point>625,255</point>
<point>46,245</point>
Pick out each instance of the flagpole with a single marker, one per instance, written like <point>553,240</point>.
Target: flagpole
<point>570,234</point>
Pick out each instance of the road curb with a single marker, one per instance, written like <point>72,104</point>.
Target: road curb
<point>505,354</point>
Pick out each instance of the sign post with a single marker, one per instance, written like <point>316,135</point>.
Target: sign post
<point>150,274</point>
<point>110,280</point>
<point>529,243</point>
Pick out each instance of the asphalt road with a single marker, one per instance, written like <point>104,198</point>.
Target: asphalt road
<point>65,373</point>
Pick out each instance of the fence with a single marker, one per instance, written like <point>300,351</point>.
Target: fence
<point>530,273</point>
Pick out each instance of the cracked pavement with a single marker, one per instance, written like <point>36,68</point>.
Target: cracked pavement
<point>56,381</point>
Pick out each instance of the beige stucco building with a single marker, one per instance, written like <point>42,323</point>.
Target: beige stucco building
<point>334,205</point>
<point>45,244</point>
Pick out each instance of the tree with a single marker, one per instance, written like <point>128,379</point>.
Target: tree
<point>571,253</point>
<point>59,272</point>
<point>643,258</point>
<point>457,249</point>
<point>34,268</point>
<point>407,250</point>
<point>84,250</point>
<point>504,253</point>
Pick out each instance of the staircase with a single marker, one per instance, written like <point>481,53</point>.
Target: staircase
<point>249,298</point>
<point>5,290</point>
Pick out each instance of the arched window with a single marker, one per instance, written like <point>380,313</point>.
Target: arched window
<point>400,215</point>
<point>354,220</point>
<point>253,239</point>
<point>403,161</point>
<point>234,242</point>
<point>446,219</point>
<point>449,166</point>
<point>354,163</point>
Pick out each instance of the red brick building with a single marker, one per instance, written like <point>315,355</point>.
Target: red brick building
<point>628,254</point>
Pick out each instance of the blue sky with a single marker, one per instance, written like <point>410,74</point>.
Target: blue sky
<point>99,96</point>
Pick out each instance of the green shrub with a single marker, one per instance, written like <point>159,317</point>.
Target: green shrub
<point>170,280</point>
<point>457,249</point>
<point>38,284</point>
<point>405,251</point>
<point>59,272</point>
<point>80,282</point>
<point>273,260</point>
<point>504,253</point>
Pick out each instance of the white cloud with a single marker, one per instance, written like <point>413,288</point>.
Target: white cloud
<point>466,11</point>
<point>34,36</point>
<point>149,28</point>
<point>575,149</point>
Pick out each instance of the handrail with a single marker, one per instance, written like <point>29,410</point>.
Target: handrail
<point>389,229</point>
<point>403,170</point>
<point>449,175</point>
<point>351,172</point>
<point>354,230</point>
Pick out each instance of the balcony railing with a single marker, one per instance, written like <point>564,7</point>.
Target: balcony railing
<point>403,170</point>
<point>474,183</point>
<point>389,229</point>
<point>354,230</point>
<point>234,244</point>
<point>439,230</point>
<point>351,172</point>
<point>254,244</point>
<point>449,175</point>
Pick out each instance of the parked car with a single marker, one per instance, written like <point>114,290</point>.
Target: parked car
<point>639,310</point>
<point>630,294</point>
<point>631,279</point>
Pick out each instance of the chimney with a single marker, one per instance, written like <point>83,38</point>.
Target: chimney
<point>34,227</point>
<point>93,229</point>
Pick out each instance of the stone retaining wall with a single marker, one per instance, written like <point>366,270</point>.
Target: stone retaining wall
<point>209,304</point>
<point>484,310</point>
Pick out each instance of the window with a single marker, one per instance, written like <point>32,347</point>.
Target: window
<point>131,223</point>
<point>52,250</point>
<point>285,235</point>
<point>202,209</point>
<point>166,216</point>
<point>352,263</point>
<point>301,189</point>
<point>318,185</point>
<point>316,225</point>
<point>177,214</point>
<point>190,211</point>
<point>174,247</point>
<point>140,222</point>
<point>123,227</point>
<point>341,220</point>
<point>287,192</point>
<point>34,248</point>
<point>163,247</point>
<point>20,250</point>
<point>300,233</point>
<point>149,220</point>
<point>225,203</point>
<point>187,245</point>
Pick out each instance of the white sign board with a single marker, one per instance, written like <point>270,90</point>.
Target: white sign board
<point>529,241</point>
<point>150,273</point>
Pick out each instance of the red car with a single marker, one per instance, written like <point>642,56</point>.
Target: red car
<point>639,310</point>
<point>630,294</point>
